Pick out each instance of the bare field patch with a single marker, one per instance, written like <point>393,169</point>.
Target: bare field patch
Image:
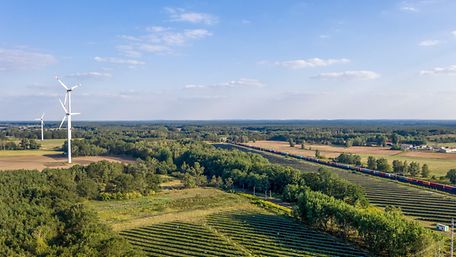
<point>439,163</point>
<point>41,159</point>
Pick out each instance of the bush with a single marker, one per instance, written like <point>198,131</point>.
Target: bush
<point>105,196</point>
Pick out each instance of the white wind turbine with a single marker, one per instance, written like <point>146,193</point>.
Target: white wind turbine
<point>66,105</point>
<point>42,126</point>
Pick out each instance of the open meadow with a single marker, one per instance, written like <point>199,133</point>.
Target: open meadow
<point>210,222</point>
<point>439,163</point>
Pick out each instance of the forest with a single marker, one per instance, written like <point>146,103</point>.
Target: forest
<point>44,214</point>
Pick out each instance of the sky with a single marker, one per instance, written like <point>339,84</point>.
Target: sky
<point>229,59</point>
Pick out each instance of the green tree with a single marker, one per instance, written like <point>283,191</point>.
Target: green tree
<point>451,175</point>
<point>371,163</point>
<point>291,142</point>
<point>229,183</point>
<point>398,167</point>
<point>349,143</point>
<point>383,165</point>
<point>395,138</point>
<point>414,169</point>
<point>425,171</point>
<point>303,146</point>
<point>188,181</point>
<point>317,154</point>
<point>213,181</point>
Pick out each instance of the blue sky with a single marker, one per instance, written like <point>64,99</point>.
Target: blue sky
<point>233,59</point>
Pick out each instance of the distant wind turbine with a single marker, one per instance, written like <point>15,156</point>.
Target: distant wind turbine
<point>66,105</point>
<point>42,126</point>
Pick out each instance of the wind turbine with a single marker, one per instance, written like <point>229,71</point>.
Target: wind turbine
<point>42,126</point>
<point>66,105</point>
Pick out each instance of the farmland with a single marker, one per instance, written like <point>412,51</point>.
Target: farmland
<point>423,205</point>
<point>439,163</point>
<point>210,222</point>
<point>49,156</point>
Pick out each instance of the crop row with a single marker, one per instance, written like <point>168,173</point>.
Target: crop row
<point>253,231</point>
<point>258,234</point>
<point>179,239</point>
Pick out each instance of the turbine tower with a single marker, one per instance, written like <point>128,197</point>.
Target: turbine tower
<point>66,105</point>
<point>42,126</point>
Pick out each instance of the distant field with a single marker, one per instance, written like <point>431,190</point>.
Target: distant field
<point>41,159</point>
<point>439,163</point>
<point>210,222</point>
<point>52,144</point>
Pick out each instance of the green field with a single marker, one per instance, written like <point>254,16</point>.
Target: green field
<point>210,222</point>
<point>52,144</point>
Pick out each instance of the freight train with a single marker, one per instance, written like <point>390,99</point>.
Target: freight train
<point>414,181</point>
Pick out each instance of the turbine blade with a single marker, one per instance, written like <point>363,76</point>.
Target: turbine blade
<point>42,116</point>
<point>73,88</point>
<point>63,106</point>
<point>61,83</point>
<point>75,113</point>
<point>37,119</point>
<point>65,100</point>
<point>63,120</point>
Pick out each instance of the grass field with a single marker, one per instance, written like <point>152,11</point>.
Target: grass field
<point>210,222</point>
<point>52,144</point>
<point>423,205</point>
<point>439,163</point>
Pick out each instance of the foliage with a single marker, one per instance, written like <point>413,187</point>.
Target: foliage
<point>349,158</point>
<point>385,233</point>
<point>42,216</point>
<point>451,175</point>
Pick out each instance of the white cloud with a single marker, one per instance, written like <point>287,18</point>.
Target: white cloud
<point>449,70</point>
<point>159,40</point>
<point>179,14</point>
<point>118,60</point>
<point>453,33</point>
<point>431,42</point>
<point>310,63</point>
<point>348,75</point>
<point>20,59</point>
<point>89,75</point>
<point>240,83</point>
<point>409,8</point>
<point>197,33</point>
